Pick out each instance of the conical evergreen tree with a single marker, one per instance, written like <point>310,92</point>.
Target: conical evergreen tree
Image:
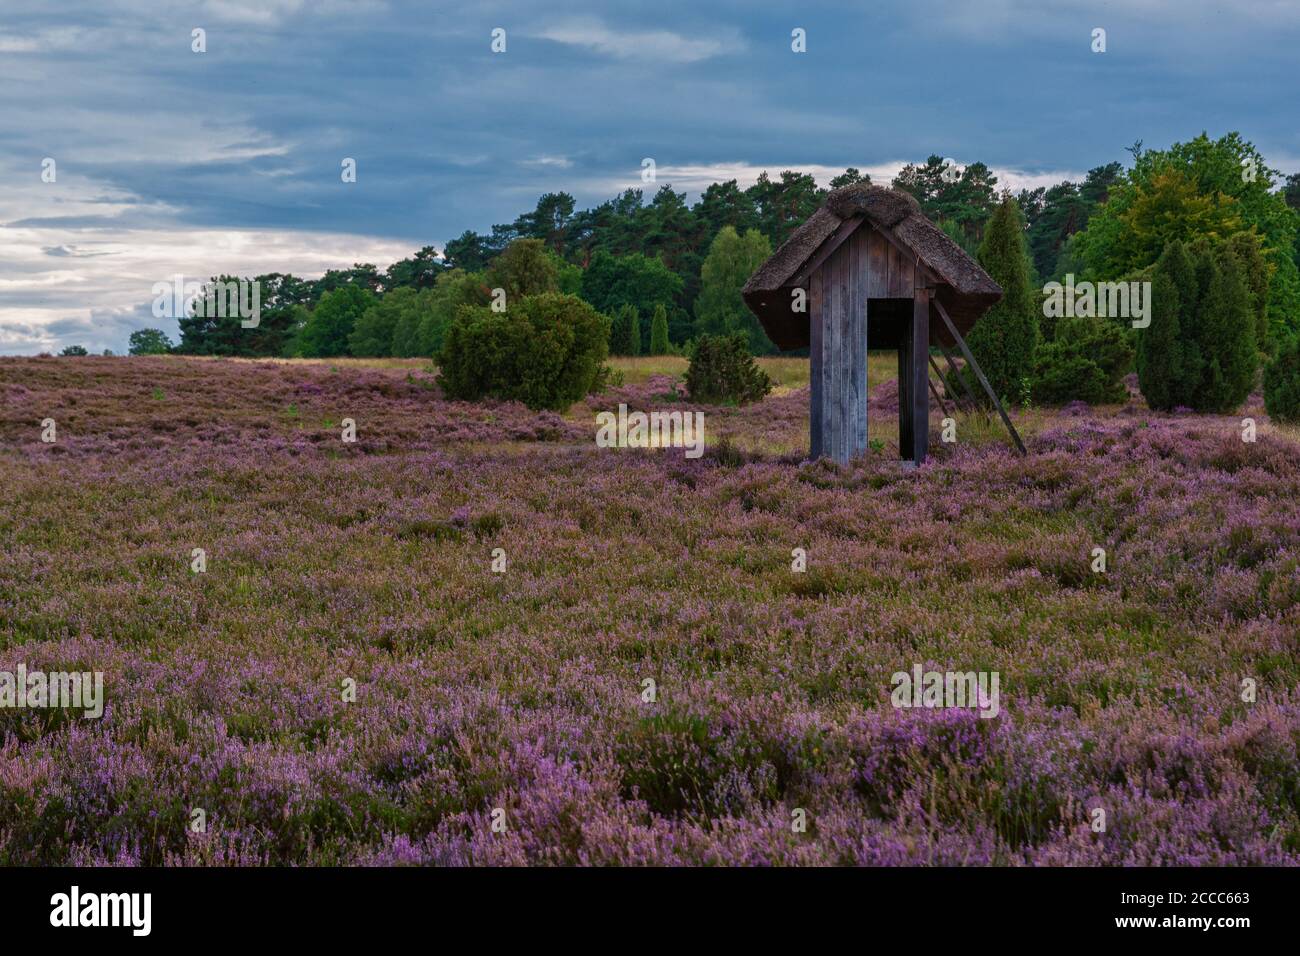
<point>659,331</point>
<point>625,333</point>
<point>1200,350</point>
<point>1004,339</point>
<point>634,335</point>
<point>1282,383</point>
<point>1193,300</point>
<point>1160,345</point>
<point>1227,336</point>
<point>1255,272</point>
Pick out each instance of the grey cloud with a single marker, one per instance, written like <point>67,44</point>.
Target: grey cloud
<point>73,252</point>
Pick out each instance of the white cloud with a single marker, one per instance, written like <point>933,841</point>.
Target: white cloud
<point>1286,163</point>
<point>71,196</point>
<point>13,44</point>
<point>252,11</point>
<point>695,179</point>
<point>658,45</point>
<point>270,12</point>
<point>1017,179</point>
<point>47,41</point>
<point>548,162</point>
<point>99,293</point>
<point>175,136</point>
<point>1008,20</point>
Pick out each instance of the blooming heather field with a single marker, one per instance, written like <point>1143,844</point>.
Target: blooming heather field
<point>371,561</point>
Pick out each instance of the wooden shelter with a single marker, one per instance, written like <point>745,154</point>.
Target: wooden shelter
<point>869,267</point>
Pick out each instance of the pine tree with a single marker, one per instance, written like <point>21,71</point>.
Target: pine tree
<point>1004,339</point>
<point>659,331</point>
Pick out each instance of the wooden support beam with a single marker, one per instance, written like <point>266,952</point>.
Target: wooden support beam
<point>816,370</point>
<point>934,391</point>
<point>956,373</point>
<point>943,406</point>
<point>918,372</point>
<point>858,350</point>
<point>905,419</point>
<point>969,402</point>
<point>979,374</point>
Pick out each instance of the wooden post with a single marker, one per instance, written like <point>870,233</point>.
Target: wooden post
<point>816,370</point>
<point>914,424</point>
<point>857,354</point>
<point>905,420</point>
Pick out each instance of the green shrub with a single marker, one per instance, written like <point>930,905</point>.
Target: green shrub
<point>607,377</point>
<point>545,351</point>
<point>1282,383</point>
<point>1086,362</point>
<point>722,370</point>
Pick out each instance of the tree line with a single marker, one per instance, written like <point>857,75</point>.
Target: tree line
<point>677,266</point>
<point>1207,227</point>
<point>666,272</point>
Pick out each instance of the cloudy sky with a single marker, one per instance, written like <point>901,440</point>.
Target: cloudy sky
<point>173,162</point>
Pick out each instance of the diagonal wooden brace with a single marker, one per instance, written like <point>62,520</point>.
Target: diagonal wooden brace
<point>955,372</point>
<point>979,374</point>
<point>934,391</point>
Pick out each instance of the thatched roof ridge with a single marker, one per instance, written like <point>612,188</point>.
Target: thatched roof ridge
<point>883,206</point>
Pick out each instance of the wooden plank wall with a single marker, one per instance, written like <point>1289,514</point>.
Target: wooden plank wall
<point>865,266</point>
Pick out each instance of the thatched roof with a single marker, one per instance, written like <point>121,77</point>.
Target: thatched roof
<point>964,288</point>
